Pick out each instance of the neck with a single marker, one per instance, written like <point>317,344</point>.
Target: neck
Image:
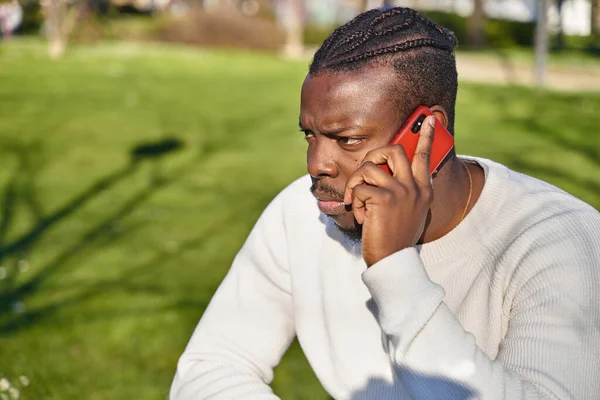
<point>452,188</point>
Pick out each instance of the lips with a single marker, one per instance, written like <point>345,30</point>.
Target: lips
<point>330,205</point>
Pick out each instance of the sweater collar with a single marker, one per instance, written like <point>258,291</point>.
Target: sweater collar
<point>468,235</point>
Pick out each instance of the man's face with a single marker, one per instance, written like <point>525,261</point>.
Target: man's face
<point>344,116</point>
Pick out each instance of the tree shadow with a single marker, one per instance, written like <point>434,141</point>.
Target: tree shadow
<point>545,119</point>
<point>538,121</point>
<point>122,283</point>
<point>535,125</point>
<point>20,191</point>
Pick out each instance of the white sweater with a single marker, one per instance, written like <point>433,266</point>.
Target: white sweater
<point>506,306</point>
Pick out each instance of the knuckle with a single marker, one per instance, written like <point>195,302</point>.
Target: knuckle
<point>414,194</point>
<point>398,148</point>
<point>355,177</point>
<point>361,191</point>
<point>412,190</point>
<point>350,182</point>
<point>388,196</point>
<point>427,195</point>
<point>368,165</point>
<point>351,188</point>
<point>402,191</point>
<point>429,129</point>
<point>371,154</point>
<point>423,155</point>
<point>365,169</point>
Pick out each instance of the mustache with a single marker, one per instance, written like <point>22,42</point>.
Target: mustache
<point>319,187</point>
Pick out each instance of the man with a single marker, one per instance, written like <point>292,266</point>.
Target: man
<point>478,282</point>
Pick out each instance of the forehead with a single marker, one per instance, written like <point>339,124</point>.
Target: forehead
<point>365,96</point>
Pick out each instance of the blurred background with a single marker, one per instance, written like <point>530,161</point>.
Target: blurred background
<point>141,139</point>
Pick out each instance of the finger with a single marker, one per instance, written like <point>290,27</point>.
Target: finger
<point>367,173</point>
<point>396,159</point>
<point>361,195</point>
<point>421,165</point>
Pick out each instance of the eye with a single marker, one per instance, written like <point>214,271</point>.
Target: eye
<point>350,141</point>
<point>307,134</point>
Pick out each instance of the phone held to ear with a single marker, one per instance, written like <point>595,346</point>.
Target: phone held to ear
<point>409,135</point>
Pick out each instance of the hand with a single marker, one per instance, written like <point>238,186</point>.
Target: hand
<point>392,208</point>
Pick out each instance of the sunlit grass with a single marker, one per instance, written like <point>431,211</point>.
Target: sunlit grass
<point>123,254</point>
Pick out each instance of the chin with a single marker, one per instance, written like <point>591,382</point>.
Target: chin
<point>344,221</point>
<point>348,226</point>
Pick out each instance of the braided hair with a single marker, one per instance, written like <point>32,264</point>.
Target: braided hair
<point>419,50</point>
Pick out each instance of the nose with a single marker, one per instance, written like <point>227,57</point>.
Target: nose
<point>320,159</point>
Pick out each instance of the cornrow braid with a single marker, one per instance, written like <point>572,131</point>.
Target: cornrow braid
<point>376,29</point>
<point>364,36</point>
<point>448,34</point>
<point>403,13</point>
<point>358,37</point>
<point>331,40</point>
<point>396,28</point>
<point>419,50</point>
<point>404,46</point>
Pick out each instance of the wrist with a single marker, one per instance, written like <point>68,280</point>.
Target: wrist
<point>372,259</point>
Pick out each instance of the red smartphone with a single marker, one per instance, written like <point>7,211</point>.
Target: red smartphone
<point>409,134</point>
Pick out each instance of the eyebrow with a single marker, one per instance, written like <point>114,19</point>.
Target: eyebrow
<point>334,132</point>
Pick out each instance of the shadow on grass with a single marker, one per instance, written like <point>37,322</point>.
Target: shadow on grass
<point>570,132</point>
<point>20,188</point>
<point>119,284</point>
<point>584,146</point>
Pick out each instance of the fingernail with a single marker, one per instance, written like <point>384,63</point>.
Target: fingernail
<point>432,122</point>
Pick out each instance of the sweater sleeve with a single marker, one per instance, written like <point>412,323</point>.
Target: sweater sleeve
<point>248,324</point>
<point>551,349</point>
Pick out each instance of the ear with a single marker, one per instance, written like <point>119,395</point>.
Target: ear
<point>440,114</point>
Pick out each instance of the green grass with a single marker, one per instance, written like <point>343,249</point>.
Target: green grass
<point>111,261</point>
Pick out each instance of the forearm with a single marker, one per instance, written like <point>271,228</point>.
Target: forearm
<point>436,357</point>
<point>226,362</point>
<point>247,326</point>
<point>240,338</point>
<point>444,353</point>
<point>205,379</point>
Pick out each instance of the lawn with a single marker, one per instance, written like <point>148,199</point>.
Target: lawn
<point>130,175</point>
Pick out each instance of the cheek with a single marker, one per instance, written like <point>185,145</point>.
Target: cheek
<point>320,153</point>
<point>348,164</point>
<point>309,153</point>
<point>354,160</point>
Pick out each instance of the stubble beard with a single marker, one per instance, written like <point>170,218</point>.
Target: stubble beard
<point>353,233</point>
